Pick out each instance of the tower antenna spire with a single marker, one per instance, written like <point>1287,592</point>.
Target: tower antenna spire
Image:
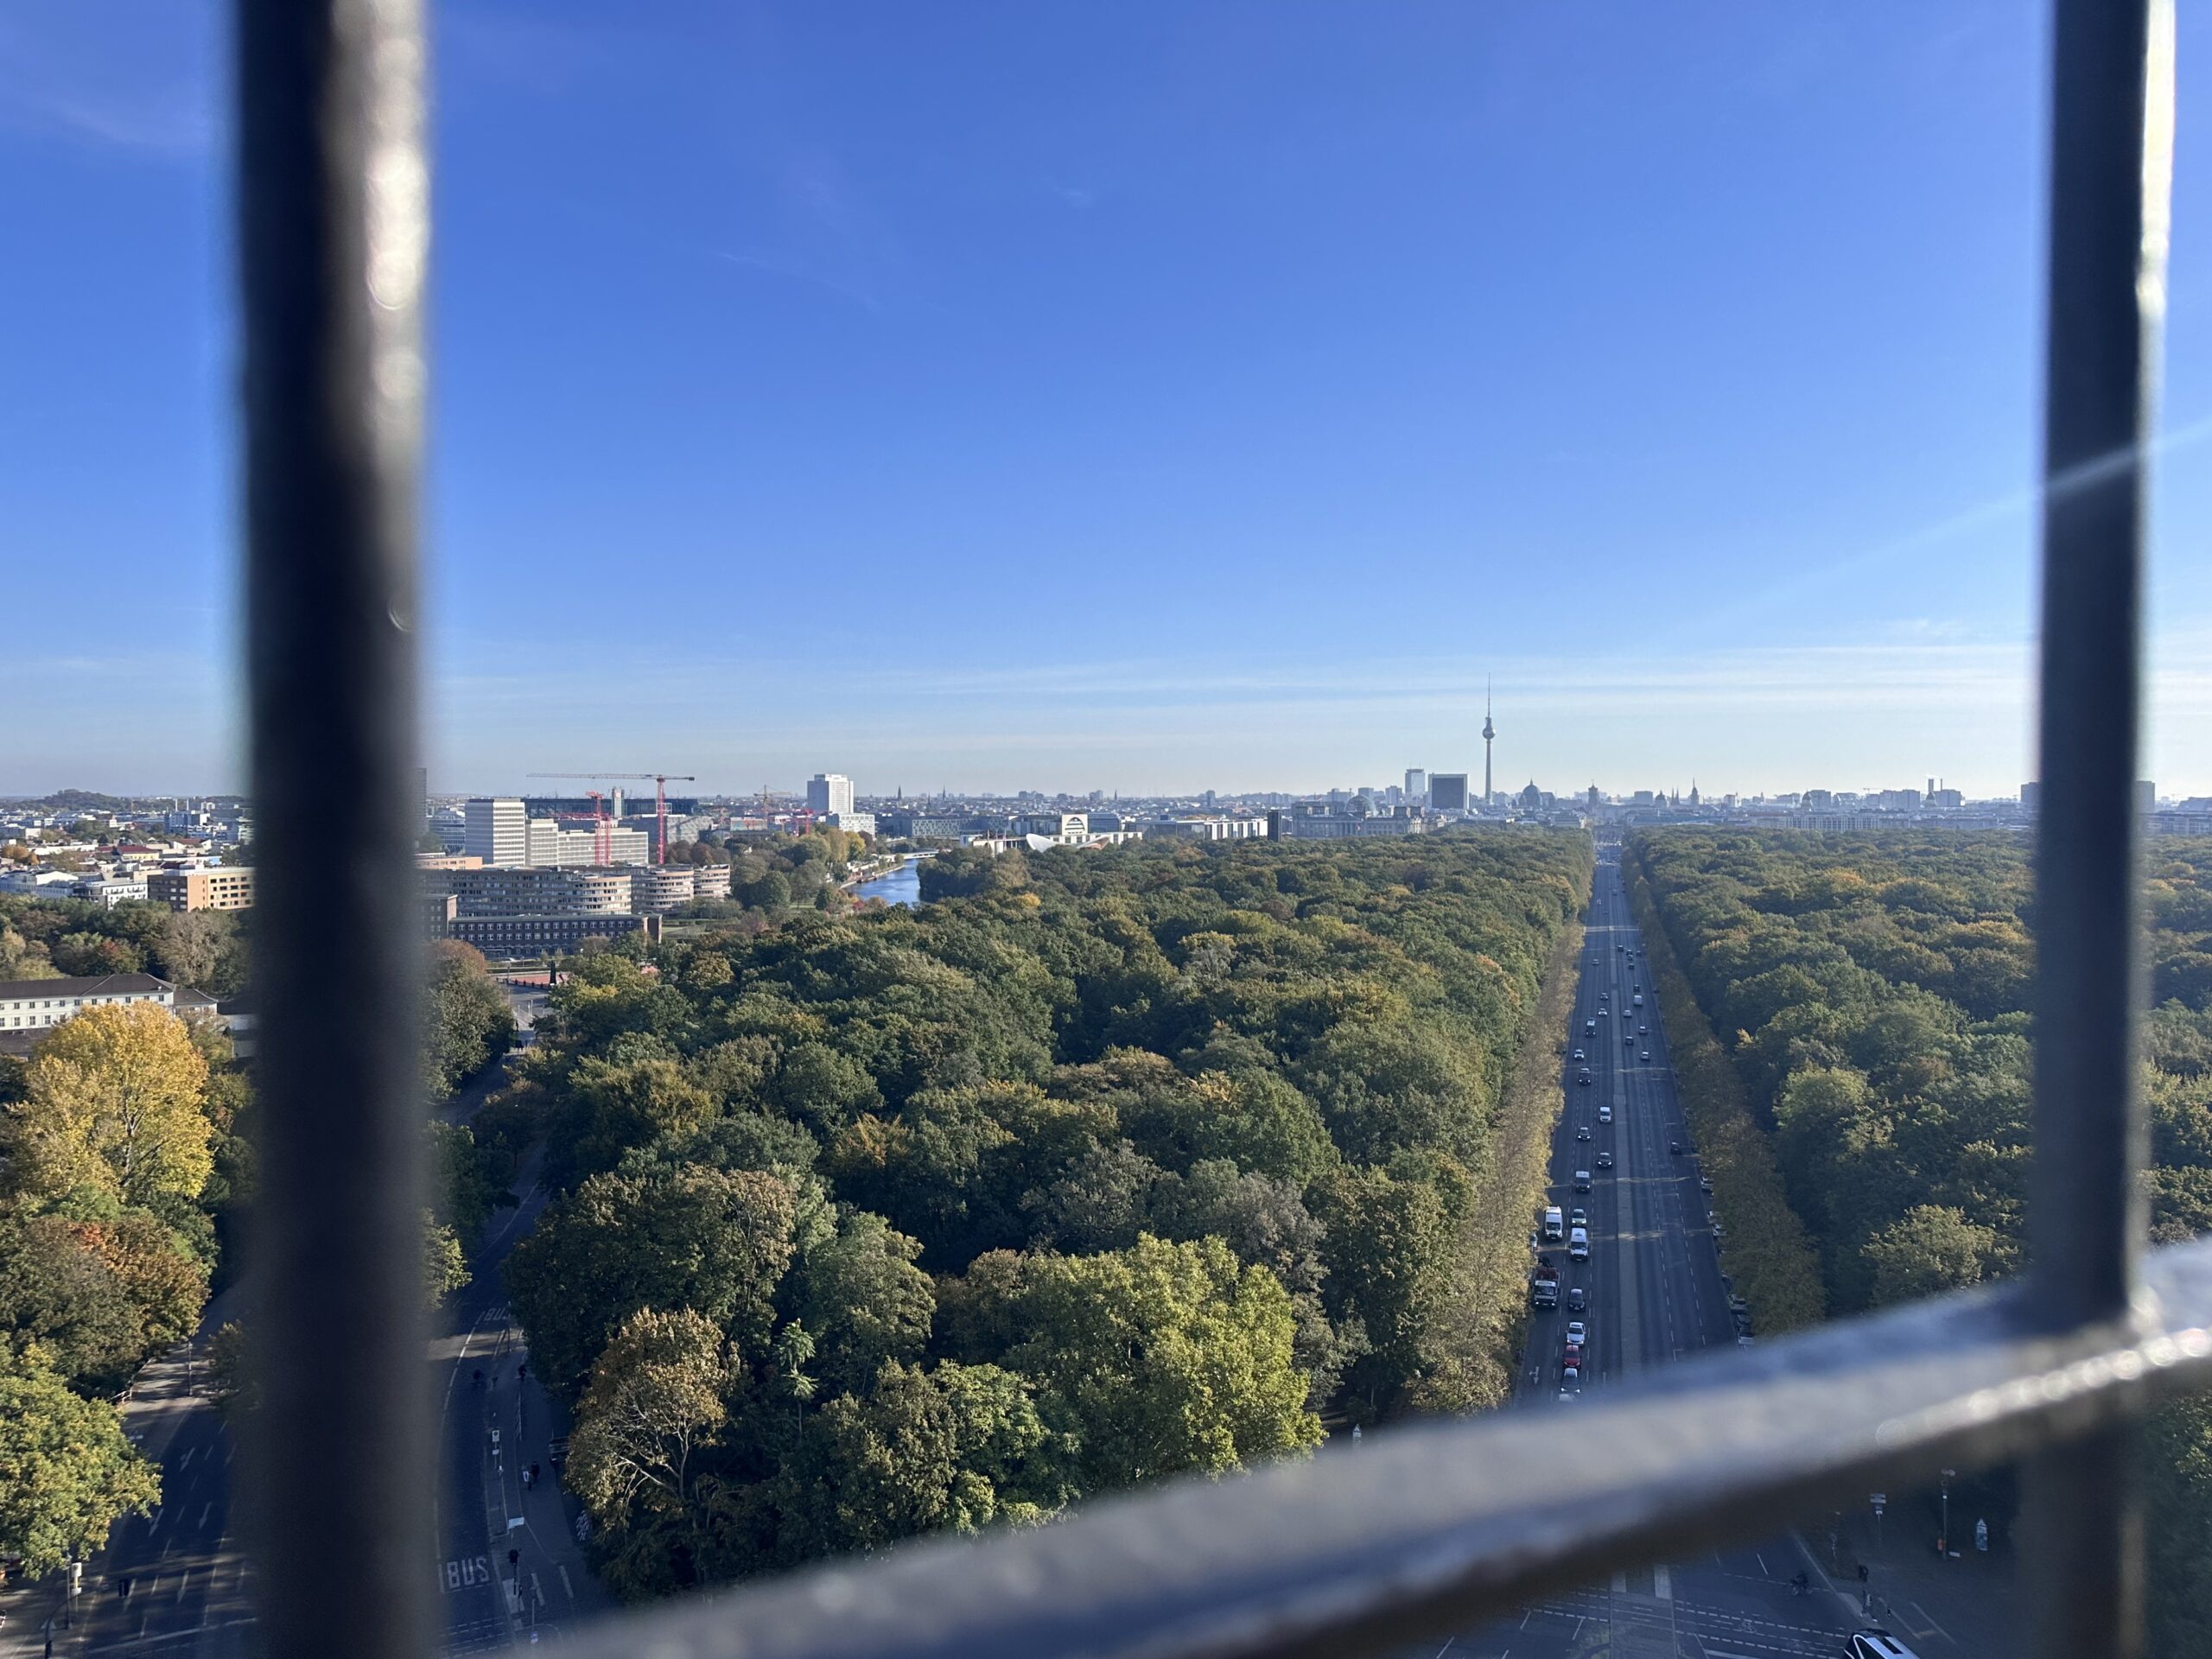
<point>1490,732</point>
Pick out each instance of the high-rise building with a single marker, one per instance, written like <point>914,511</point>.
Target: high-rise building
<point>1447,791</point>
<point>2030,796</point>
<point>2146,796</point>
<point>496,830</point>
<point>828,792</point>
<point>1416,783</point>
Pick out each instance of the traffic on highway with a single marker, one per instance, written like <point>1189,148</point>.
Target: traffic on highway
<point>1627,1273</point>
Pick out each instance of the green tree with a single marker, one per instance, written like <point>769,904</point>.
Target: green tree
<point>115,1100</point>
<point>66,1472</point>
<point>655,1398</point>
<point>716,1242</point>
<point>1930,1248</point>
<point>445,1266</point>
<point>1160,1358</point>
<point>465,1024</point>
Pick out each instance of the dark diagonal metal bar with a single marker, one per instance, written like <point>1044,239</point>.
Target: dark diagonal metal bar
<point>1423,1528</point>
<point>2112,147</point>
<point>332,234</point>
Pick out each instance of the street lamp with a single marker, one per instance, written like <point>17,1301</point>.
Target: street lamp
<point>1943,1536</point>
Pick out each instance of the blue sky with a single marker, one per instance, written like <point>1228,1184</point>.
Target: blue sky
<point>1140,397</point>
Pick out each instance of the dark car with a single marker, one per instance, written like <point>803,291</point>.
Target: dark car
<point>1605,1160</point>
<point>1577,1299</point>
<point>1674,1147</point>
<point>1582,1131</point>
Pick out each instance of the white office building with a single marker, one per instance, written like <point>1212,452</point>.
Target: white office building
<point>496,831</point>
<point>552,847</point>
<point>829,792</point>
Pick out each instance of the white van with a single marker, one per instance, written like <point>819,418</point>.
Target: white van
<point>1578,1244</point>
<point>1555,1223</point>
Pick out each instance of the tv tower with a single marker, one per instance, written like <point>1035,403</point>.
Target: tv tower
<point>1488,732</point>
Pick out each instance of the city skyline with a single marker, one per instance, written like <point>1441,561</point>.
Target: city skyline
<point>1044,404</point>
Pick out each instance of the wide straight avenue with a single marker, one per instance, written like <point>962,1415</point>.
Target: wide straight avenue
<point>1654,1292</point>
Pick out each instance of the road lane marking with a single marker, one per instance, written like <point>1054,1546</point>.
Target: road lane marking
<point>1932,1624</point>
<point>182,1578</point>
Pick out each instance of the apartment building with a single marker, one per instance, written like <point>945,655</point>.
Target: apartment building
<point>218,888</point>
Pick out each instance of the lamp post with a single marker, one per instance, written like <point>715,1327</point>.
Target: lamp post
<point>1943,1535</point>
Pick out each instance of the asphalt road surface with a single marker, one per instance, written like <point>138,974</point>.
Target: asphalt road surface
<point>1656,1293</point>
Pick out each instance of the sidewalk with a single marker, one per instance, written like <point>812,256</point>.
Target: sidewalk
<point>1962,1608</point>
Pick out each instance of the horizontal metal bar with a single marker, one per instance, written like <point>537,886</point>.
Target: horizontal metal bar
<point>1423,1528</point>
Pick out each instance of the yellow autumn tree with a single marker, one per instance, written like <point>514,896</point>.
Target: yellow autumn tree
<point>115,1099</point>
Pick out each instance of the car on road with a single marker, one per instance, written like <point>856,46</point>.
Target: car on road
<point>1604,1114</point>
<point>1583,1080</point>
<point>1579,1055</point>
<point>1643,1031</point>
<point>1590,1028</point>
<point>1578,1219</point>
<point>1555,1223</point>
<point>1875,1643</point>
<point>1705,1183</point>
<point>1570,1380</point>
<point>1644,1054</point>
<point>1582,1176</point>
<point>1577,1332</point>
<point>1578,1243</point>
<point>1605,1160</point>
<point>1582,1131</point>
<point>1578,1299</point>
<point>1675,1148</point>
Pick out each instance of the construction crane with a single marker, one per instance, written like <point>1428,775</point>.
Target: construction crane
<point>602,845</point>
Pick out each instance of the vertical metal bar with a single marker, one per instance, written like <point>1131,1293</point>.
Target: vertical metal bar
<point>2112,134</point>
<point>333,234</point>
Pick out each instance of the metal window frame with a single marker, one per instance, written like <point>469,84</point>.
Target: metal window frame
<point>1415,1531</point>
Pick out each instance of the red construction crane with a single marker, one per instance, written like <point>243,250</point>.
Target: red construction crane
<point>602,845</point>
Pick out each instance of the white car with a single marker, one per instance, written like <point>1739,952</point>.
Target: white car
<point>1604,1114</point>
<point>1576,1331</point>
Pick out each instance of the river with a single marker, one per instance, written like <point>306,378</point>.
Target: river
<point>902,886</point>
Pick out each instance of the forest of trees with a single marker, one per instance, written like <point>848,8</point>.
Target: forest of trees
<point>126,1159</point>
<point>121,1152</point>
<point>770,875</point>
<point>1128,1162</point>
<point>201,950</point>
<point>1873,993</point>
